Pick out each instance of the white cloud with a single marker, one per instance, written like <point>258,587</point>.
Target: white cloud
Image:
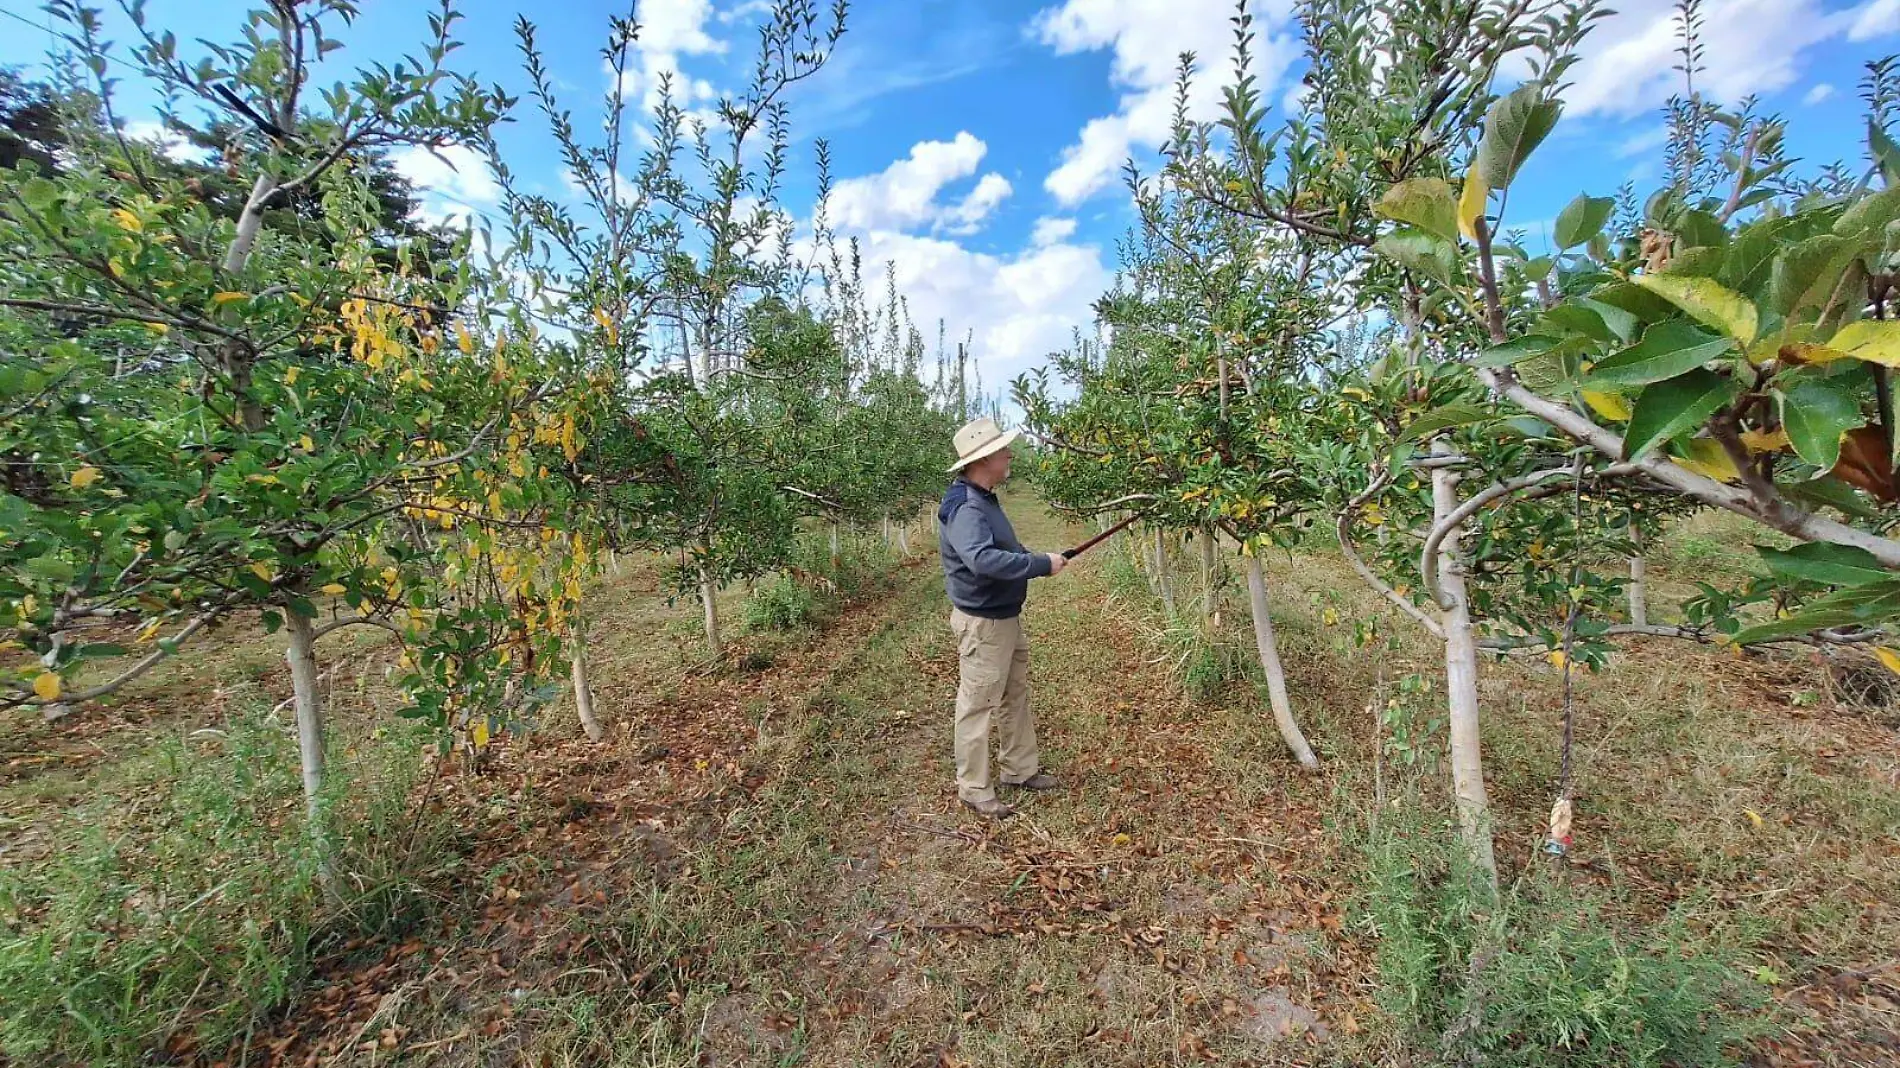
<point>454,182</point>
<point>670,29</point>
<point>170,145</point>
<point>968,216</point>
<point>1146,37</point>
<point>745,11</point>
<point>903,196</point>
<point>1050,230</point>
<point>1021,306</point>
<point>1642,143</point>
<point>1873,19</point>
<point>1297,94</point>
<point>1817,94</point>
<point>1749,46</point>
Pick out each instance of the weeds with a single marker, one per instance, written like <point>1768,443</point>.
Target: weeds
<point>779,603</point>
<point>184,926</point>
<point>1541,977</point>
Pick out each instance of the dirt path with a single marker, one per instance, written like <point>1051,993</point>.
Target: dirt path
<point>1169,905</point>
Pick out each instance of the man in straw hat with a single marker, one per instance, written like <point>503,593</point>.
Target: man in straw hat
<point>986,571</point>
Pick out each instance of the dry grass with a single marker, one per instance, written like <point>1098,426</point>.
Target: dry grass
<point>770,867</point>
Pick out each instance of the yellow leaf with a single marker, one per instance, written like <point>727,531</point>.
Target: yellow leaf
<point>1708,458</point>
<point>227,296</point>
<point>1760,441</point>
<point>46,686</point>
<point>128,221</point>
<point>306,444</point>
<point>1608,405</point>
<point>1873,340</point>
<point>1121,839</point>
<point>1471,204</point>
<point>1753,816</point>
<point>149,631</point>
<point>160,329</point>
<point>262,570</point>
<point>1706,301</point>
<point>463,341</point>
<point>290,375</point>
<point>479,733</point>
<point>1557,659</point>
<point>1889,659</point>
<point>334,588</point>
<point>85,476</point>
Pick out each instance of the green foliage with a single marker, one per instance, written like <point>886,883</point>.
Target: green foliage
<point>203,916</point>
<point>779,603</point>
<point>1547,975</point>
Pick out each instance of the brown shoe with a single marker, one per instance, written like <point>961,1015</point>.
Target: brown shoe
<point>992,808</point>
<point>1039,781</point>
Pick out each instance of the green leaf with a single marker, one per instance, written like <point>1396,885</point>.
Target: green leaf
<point>1622,324</point>
<point>1516,124</point>
<point>1807,275</point>
<point>1574,318</point>
<point>1825,563</point>
<point>1699,229</point>
<point>1698,262</point>
<point>1426,203</point>
<point>1668,410</point>
<point>1706,301</point>
<point>97,650</point>
<point>1633,299</point>
<point>1870,214</point>
<point>1885,152</point>
<point>273,619</point>
<point>1581,220</point>
<point>39,193</point>
<point>1822,490</point>
<point>1666,350</point>
<point>1750,256</point>
<point>1516,350</point>
<point>1817,411</point>
<point>1445,418</point>
<point>1417,250</point>
<point>1869,604</point>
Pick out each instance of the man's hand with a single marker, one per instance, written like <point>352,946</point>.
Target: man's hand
<point>1057,562</point>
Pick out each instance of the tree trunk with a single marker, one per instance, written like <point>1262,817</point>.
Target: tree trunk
<point>1270,664</point>
<point>1639,584</point>
<point>302,656</point>
<point>583,693</point>
<point>1209,578</point>
<point>708,598</point>
<point>1164,581</point>
<point>837,555</point>
<point>1461,682</point>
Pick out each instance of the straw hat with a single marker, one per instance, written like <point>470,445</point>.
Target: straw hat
<point>980,438</point>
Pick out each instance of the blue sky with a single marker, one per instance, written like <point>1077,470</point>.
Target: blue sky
<point>978,143</point>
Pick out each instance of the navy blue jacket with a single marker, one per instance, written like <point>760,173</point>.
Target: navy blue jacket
<point>986,571</point>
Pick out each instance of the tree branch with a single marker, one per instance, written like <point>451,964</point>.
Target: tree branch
<point>141,667</point>
<point>1351,552</point>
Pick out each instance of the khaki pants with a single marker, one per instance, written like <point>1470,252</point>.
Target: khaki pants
<point>994,658</point>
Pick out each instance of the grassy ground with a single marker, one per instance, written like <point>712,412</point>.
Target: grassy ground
<point>769,866</point>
